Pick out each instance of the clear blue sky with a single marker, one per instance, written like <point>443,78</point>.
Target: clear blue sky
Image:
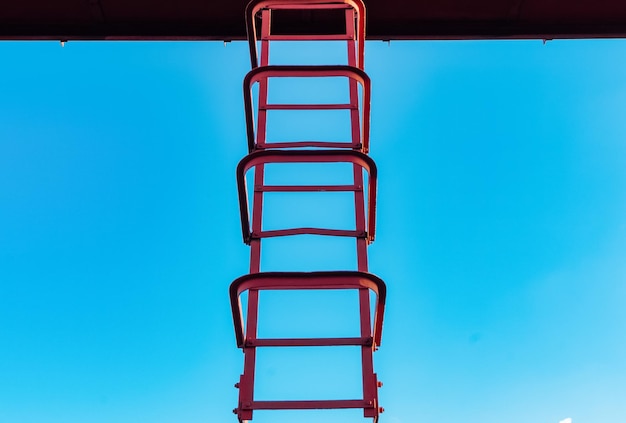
<point>501,235</point>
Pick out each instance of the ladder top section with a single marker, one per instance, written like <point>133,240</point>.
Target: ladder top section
<point>387,19</point>
<point>325,20</point>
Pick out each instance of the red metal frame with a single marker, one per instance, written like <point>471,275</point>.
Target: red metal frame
<point>263,153</point>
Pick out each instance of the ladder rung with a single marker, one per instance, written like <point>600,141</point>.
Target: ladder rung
<point>308,107</point>
<point>309,231</point>
<point>308,342</point>
<point>307,405</point>
<point>308,188</point>
<point>308,37</point>
<point>296,144</point>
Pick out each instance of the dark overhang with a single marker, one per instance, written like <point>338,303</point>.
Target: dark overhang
<point>387,19</point>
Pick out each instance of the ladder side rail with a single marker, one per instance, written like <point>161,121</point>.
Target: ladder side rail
<point>369,383</point>
<point>246,386</point>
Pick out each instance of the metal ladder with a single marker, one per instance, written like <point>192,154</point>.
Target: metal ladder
<point>263,153</point>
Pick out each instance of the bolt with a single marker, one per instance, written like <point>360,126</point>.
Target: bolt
<point>237,385</point>
<point>379,384</point>
<point>381,410</point>
<point>235,411</point>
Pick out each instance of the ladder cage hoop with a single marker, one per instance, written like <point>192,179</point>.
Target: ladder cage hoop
<point>306,156</point>
<point>308,281</point>
<point>263,73</point>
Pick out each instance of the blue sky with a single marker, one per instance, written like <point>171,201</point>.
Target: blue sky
<point>501,235</point>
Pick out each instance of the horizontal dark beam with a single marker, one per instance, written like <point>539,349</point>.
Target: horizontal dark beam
<point>386,20</point>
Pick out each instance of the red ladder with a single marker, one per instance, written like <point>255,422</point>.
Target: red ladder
<point>263,152</point>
